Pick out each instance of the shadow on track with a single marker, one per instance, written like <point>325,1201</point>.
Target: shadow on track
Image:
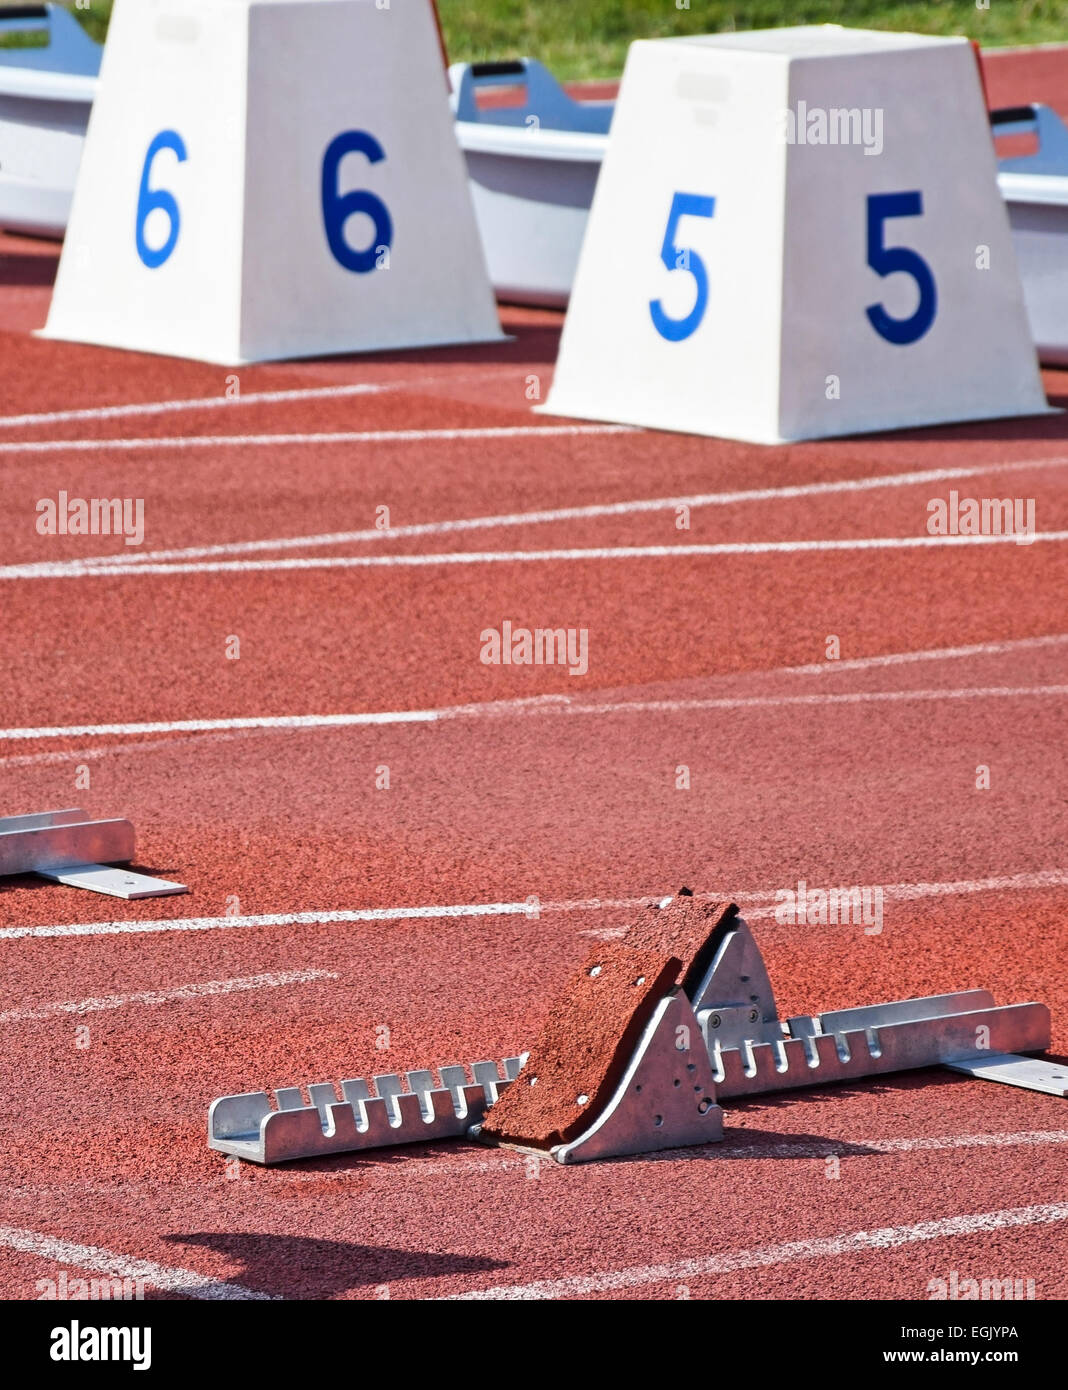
<point>306,1267</point>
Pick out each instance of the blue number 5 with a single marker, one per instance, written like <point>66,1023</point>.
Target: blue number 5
<point>886,260</point>
<point>675,258</point>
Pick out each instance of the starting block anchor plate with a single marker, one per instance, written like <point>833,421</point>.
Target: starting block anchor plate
<point>115,883</point>
<point>1032,1073</point>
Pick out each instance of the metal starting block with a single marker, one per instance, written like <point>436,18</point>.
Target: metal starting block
<point>68,847</point>
<point>716,1040</point>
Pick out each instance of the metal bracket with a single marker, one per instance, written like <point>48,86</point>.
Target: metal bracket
<point>402,1110</point>
<point>68,847</point>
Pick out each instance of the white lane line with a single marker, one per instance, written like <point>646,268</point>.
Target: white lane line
<point>909,892</point>
<point>801,1148</point>
<point>177,995</point>
<point>496,1161</point>
<point>296,721</point>
<point>558,514</point>
<point>222,402</point>
<point>865,663</point>
<point>530,907</point>
<point>819,1248</point>
<point>847,1147</point>
<point>758,906</point>
<point>497,707</point>
<point>77,570</point>
<point>273,919</point>
<point>859,697</point>
<point>276,441</point>
<point>562,706</point>
<point>115,1266</point>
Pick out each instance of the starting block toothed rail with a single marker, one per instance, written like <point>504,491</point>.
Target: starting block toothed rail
<point>714,1034</point>
<point>68,847</point>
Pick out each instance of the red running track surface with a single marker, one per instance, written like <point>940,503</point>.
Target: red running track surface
<point>526,783</point>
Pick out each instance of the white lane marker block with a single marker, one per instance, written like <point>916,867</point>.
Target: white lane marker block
<point>266,179</point>
<point>797,233</point>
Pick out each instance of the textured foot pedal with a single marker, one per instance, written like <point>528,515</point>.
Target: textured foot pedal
<point>685,927</point>
<point>619,1067</point>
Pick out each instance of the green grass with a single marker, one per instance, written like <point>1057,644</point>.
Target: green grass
<point>589,38</point>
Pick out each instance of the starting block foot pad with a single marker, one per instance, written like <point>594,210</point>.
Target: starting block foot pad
<point>685,927</point>
<point>586,1042</point>
<point>797,233</point>
<point>265,179</point>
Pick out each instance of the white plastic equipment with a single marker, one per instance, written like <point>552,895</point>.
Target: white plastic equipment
<point>46,94</point>
<point>769,279</point>
<point>532,168</point>
<point>267,179</point>
<point>1035,188</point>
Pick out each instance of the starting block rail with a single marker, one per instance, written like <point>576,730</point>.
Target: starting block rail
<point>67,847</point>
<point>401,1110</point>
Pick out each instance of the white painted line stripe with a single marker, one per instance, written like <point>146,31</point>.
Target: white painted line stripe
<point>521,706</point>
<point>219,402</point>
<point>801,1148</point>
<point>1043,878</point>
<point>819,1248</point>
<point>179,994</point>
<point>273,919</point>
<point>107,1262</point>
<point>145,746</point>
<point>75,570</point>
<point>759,904</point>
<point>285,721</point>
<point>909,892</point>
<point>222,402</point>
<point>806,1148</point>
<point>546,705</point>
<point>559,514</point>
<point>866,663</point>
<point>859,697</point>
<point>277,441</point>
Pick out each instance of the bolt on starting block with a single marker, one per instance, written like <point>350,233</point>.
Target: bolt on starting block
<point>646,1040</point>
<point>68,847</point>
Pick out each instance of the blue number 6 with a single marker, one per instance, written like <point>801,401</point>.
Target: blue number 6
<point>885,260</point>
<point>338,207</point>
<point>674,258</point>
<point>152,199</point>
